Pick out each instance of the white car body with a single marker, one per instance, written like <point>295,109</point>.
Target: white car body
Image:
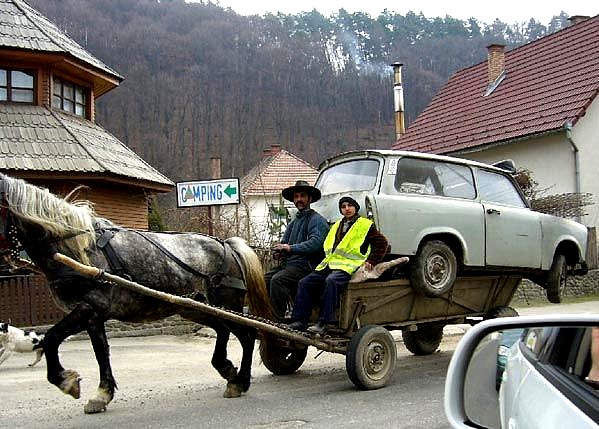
<point>477,209</point>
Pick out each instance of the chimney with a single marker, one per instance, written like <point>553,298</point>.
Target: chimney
<point>577,19</point>
<point>495,61</point>
<point>400,128</point>
<point>274,149</point>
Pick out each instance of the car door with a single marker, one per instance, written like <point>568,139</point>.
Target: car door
<point>512,230</point>
<point>426,197</point>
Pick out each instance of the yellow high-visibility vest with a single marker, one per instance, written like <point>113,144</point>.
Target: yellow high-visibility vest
<point>346,256</point>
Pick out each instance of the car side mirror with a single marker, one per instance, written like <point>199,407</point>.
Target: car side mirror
<point>508,372</point>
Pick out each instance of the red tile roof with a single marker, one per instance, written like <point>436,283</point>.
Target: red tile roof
<point>548,83</point>
<point>276,171</point>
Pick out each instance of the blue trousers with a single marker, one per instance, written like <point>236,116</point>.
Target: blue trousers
<point>324,286</point>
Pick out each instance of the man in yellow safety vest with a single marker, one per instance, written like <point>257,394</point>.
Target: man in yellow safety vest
<point>351,242</point>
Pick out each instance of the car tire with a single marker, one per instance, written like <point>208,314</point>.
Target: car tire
<point>280,359</point>
<point>370,358</point>
<point>425,340</point>
<point>501,311</point>
<point>557,279</point>
<point>434,270</point>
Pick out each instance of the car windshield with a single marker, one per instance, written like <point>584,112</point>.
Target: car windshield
<point>358,175</point>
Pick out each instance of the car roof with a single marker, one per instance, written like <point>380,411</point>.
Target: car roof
<point>368,153</point>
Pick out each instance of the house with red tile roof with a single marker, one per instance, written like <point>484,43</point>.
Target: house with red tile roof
<point>536,104</point>
<point>263,213</point>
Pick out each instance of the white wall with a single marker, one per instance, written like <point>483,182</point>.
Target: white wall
<point>551,159</point>
<point>585,135</point>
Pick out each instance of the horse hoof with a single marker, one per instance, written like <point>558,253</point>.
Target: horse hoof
<point>70,383</point>
<point>94,406</point>
<point>232,391</point>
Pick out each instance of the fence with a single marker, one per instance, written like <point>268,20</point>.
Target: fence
<point>26,301</point>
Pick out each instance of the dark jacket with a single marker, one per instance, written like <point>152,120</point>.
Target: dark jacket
<point>305,234</point>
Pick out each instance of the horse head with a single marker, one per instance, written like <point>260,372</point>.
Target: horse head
<point>34,217</point>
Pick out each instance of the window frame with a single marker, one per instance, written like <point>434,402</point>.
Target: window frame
<point>435,184</point>
<point>66,83</point>
<point>484,195</point>
<point>9,87</point>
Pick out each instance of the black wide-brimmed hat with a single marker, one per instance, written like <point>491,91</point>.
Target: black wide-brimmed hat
<point>301,186</point>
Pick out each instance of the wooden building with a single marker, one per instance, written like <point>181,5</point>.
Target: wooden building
<point>48,136</point>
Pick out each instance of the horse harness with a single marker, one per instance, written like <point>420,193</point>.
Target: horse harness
<point>105,234</point>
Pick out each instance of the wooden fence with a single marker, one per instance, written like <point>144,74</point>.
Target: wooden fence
<point>26,301</point>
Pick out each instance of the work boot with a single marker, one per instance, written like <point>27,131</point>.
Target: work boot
<point>319,329</point>
<point>298,326</point>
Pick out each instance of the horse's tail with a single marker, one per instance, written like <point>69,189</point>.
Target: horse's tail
<point>257,295</point>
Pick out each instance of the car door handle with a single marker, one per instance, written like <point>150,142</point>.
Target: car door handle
<point>493,211</point>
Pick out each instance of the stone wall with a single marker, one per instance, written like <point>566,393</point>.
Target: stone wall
<point>587,285</point>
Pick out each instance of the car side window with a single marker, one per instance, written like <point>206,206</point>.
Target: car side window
<point>456,180</point>
<point>496,188</point>
<point>427,177</point>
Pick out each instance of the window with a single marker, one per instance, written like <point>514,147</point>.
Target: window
<point>423,176</point>
<point>496,188</point>
<point>69,97</point>
<point>358,175</point>
<point>16,86</point>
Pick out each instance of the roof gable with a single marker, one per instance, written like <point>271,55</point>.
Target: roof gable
<point>548,83</point>
<point>23,27</point>
<point>275,172</point>
<point>35,138</point>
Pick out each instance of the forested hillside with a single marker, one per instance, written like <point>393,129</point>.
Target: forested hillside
<point>202,81</point>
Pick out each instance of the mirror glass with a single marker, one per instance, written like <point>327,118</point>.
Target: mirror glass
<point>541,374</point>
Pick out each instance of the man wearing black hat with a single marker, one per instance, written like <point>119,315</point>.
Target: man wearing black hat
<point>351,242</point>
<point>300,250</point>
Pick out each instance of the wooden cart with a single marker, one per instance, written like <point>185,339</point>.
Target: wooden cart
<point>370,310</point>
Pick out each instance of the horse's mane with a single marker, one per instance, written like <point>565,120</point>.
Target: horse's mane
<point>73,222</point>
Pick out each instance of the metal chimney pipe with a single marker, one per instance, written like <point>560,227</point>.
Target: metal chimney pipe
<point>398,101</point>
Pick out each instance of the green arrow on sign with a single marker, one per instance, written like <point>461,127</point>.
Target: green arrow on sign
<point>230,191</point>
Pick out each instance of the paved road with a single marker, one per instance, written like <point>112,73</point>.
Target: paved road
<point>167,382</point>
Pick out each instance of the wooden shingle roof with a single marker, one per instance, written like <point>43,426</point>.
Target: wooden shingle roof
<point>23,27</point>
<point>35,138</point>
<point>277,170</point>
<point>548,83</point>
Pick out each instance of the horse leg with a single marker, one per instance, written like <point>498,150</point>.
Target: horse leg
<point>247,339</point>
<point>107,386</point>
<point>74,322</point>
<point>220,362</point>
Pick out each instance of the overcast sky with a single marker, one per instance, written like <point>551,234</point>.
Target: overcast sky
<point>508,11</point>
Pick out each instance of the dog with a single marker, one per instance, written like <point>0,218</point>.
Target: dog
<point>13,339</point>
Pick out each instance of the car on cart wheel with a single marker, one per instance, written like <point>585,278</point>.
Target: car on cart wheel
<point>454,217</point>
<point>557,279</point>
<point>434,268</point>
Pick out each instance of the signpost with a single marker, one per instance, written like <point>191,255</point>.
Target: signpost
<point>208,192</point>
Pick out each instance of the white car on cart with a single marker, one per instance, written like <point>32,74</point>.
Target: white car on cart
<point>453,216</point>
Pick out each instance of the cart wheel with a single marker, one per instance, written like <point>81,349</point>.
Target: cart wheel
<point>501,311</point>
<point>370,358</point>
<point>280,359</point>
<point>434,270</point>
<point>423,341</point>
<point>556,280</point>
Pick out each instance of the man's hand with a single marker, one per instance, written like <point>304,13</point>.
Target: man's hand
<point>282,247</point>
<point>368,266</point>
